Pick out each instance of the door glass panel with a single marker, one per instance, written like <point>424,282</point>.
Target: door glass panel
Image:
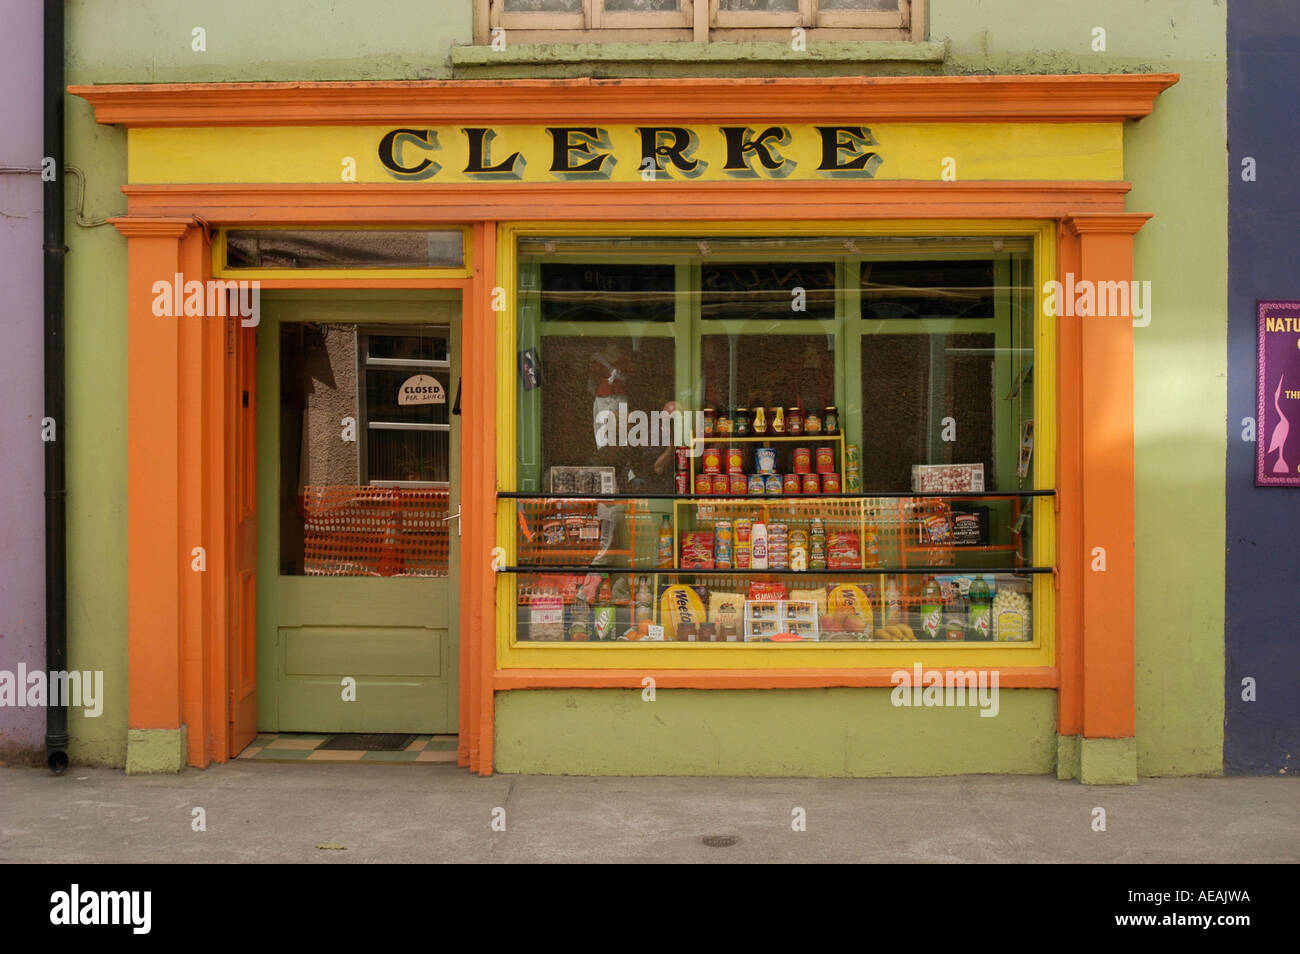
<point>364,450</point>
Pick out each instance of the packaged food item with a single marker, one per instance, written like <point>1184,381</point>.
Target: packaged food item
<point>723,543</point>
<point>704,483</point>
<point>954,629</point>
<point>831,483</point>
<point>743,556</point>
<point>546,618</point>
<point>603,620</point>
<point>843,550</point>
<point>848,614</point>
<point>812,484</point>
<point>830,420</point>
<point>579,621</point>
<point>678,604</point>
<point>967,529</point>
<point>825,460</point>
<point>682,482</point>
<point>794,421</point>
<point>778,420</point>
<point>664,545</point>
<point>798,550</point>
<point>853,482</point>
<point>573,524</point>
<point>757,485</point>
<point>812,422</point>
<point>553,531</point>
<point>711,460</point>
<point>790,484</point>
<point>758,544</point>
<point>936,529</point>
<point>979,610</point>
<point>722,425</point>
<point>740,423</point>
<point>871,546</point>
<point>816,596</point>
<point>931,610</point>
<point>735,460</point>
<point>721,484</point>
<point>708,633</point>
<point>697,550</point>
<point>761,590</point>
<point>852,457</point>
<point>760,421</point>
<point>682,458</point>
<point>739,484</point>
<point>765,458</point>
<point>727,613</point>
<point>1011,616</point>
<point>892,611</point>
<point>802,460</point>
<point>774,484</point>
<point>710,421</point>
<point>686,632</point>
<point>948,478</point>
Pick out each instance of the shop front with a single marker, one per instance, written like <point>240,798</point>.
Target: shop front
<point>678,427</point>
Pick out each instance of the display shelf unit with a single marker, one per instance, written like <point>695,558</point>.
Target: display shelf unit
<point>785,441</point>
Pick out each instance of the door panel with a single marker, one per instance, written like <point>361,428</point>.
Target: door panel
<point>360,565</point>
<point>242,601</point>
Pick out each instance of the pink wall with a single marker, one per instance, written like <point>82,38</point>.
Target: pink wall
<point>22,498</point>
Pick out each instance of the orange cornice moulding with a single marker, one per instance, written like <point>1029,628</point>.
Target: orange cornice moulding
<point>1021,99</point>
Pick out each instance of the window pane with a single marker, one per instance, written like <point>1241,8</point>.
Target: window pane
<point>543,6</point>
<point>344,248</point>
<point>890,6</point>
<point>606,292</point>
<point>768,291</point>
<point>642,6</point>
<point>338,517</point>
<point>925,289</point>
<point>764,6</point>
<point>769,371</point>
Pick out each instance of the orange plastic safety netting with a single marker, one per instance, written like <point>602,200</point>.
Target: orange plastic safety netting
<point>374,531</point>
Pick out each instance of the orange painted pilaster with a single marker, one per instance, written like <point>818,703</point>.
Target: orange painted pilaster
<point>485,483</point>
<point>1105,254</point>
<point>154,569</point>
<point>1069,496</point>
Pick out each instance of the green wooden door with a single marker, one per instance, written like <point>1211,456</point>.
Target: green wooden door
<point>358,467</point>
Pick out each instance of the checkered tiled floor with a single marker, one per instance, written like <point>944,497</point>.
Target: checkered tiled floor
<point>288,747</point>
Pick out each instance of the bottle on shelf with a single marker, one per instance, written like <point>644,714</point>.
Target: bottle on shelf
<point>604,612</point>
<point>893,609</point>
<point>931,610</point>
<point>642,605</point>
<point>664,550</point>
<point>979,610</point>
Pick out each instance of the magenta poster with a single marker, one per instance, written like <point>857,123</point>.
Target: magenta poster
<point>1277,451</point>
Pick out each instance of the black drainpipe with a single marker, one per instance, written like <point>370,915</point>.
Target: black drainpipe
<point>56,567</point>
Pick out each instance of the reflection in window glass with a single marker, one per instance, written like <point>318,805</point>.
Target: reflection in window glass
<point>890,6</point>
<point>762,290</point>
<point>344,248</point>
<point>373,506</point>
<point>643,6</point>
<point>543,6</point>
<point>763,6</point>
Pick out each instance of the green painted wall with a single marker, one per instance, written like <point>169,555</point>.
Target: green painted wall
<point>1176,158</point>
<point>774,732</point>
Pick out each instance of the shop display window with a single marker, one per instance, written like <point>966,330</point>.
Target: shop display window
<point>776,441</point>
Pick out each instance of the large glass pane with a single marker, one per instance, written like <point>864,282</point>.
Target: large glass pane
<point>344,248</point>
<point>643,6</point>
<point>857,6</point>
<point>763,6</point>
<point>370,500</point>
<point>543,6</point>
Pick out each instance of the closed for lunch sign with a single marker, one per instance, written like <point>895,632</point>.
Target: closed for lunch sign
<point>421,389</point>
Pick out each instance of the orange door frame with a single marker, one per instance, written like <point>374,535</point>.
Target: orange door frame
<point>180,369</point>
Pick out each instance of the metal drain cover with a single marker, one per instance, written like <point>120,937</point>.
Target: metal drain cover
<point>719,841</point>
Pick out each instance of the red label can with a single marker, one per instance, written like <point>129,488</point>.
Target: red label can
<point>703,484</point>
<point>802,460</point>
<point>720,484</point>
<point>831,483</point>
<point>791,484</point>
<point>712,463</point>
<point>683,482</point>
<point>825,460</point>
<point>739,484</point>
<point>812,484</point>
<point>683,455</point>
<point>735,460</point>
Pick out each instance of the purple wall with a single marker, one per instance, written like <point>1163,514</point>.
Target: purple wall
<point>1263,524</point>
<point>22,497</point>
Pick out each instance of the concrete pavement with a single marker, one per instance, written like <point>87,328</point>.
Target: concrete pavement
<point>416,813</point>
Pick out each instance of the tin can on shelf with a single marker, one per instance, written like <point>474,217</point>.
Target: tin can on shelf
<point>739,484</point>
<point>683,459</point>
<point>743,528</point>
<point>852,457</point>
<point>794,421</point>
<point>825,460</point>
<point>774,483</point>
<point>720,484</point>
<point>831,483</point>
<point>778,420</point>
<point>765,458</point>
<point>791,484</point>
<point>684,482</point>
<point>802,460</point>
<point>735,460</point>
<point>723,545</point>
<point>760,421</point>
<point>812,423</point>
<point>853,482</point>
<point>711,460</point>
<point>740,423</point>
<point>812,484</point>
<point>709,421</point>
<point>704,483</point>
<point>757,485</point>
<point>830,420</point>
<point>743,556</point>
